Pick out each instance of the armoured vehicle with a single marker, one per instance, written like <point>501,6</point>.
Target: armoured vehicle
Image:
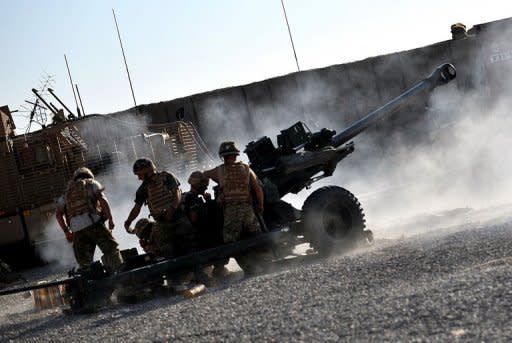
<point>331,216</point>
<point>36,167</point>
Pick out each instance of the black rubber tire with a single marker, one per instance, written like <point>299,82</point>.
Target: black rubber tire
<point>332,218</point>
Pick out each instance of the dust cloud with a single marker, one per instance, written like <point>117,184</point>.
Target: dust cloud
<point>461,174</point>
<point>456,177</point>
<point>464,169</point>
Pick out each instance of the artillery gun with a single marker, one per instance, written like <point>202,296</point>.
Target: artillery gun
<point>331,216</point>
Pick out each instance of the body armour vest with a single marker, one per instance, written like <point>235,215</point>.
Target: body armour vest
<point>234,182</point>
<point>79,198</point>
<point>160,197</point>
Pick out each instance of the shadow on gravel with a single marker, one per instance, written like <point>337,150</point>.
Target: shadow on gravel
<point>124,311</point>
<point>30,327</point>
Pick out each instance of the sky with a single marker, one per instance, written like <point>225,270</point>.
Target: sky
<point>176,48</point>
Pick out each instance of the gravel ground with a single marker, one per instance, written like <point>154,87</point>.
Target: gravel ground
<point>449,285</point>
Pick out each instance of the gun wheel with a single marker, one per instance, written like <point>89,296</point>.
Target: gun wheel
<point>333,218</point>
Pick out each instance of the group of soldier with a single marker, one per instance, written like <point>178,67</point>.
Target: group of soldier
<point>181,223</point>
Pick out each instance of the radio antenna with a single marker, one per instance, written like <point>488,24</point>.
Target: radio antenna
<point>125,63</point>
<point>72,88</point>
<point>290,34</point>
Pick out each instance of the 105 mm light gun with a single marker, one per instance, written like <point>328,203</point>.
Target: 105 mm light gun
<point>301,158</point>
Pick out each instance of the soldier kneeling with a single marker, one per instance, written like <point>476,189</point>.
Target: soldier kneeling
<point>147,232</point>
<point>204,213</point>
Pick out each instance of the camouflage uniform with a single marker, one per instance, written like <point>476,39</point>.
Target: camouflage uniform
<point>239,219</point>
<point>85,242</point>
<point>237,182</point>
<point>149,236</point>
<point>176,235</point>
<point>80,206</point>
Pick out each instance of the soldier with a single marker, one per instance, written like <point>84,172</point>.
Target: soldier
<point>197,204</point>
<point>240,195</point>
<point>203,213</point>
<point>147,232</point>
<point>161,193</point>
<point>81,213</point>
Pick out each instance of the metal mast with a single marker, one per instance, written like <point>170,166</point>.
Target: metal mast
<point>125,63</point>
<point>290,33</point>
<point>72,88</point>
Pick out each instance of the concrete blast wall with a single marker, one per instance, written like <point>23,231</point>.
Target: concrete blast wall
<point>336,96</point>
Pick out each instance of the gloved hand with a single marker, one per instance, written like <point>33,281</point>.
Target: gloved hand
<point>69,236</point>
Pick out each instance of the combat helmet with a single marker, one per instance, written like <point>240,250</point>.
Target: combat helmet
<point>458,31</point>
<point>83,173</point>
<point>143,163</point>
<point>142,228</point>
<point>228,148</point>
<point>197,178</point>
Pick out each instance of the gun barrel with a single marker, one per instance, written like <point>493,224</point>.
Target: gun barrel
<point>440,76</point>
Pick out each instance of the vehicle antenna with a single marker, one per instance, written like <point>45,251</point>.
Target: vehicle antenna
<point>124,57</point>
<point>71,81</point>
<point>80,98</point>
<point>290,33</point>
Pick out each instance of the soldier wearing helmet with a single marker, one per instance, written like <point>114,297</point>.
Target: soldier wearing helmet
<point>203,213</point>
<point>160,191</point>
<point>81,213</point>
<point>196,200</point>
<point>147,232</point>
<point>240,195</point>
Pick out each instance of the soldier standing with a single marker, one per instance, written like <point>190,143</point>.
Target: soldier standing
<point>240,195</point>
<point>203,213</point>
<point>81,213</point>
<point>161,193</point>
